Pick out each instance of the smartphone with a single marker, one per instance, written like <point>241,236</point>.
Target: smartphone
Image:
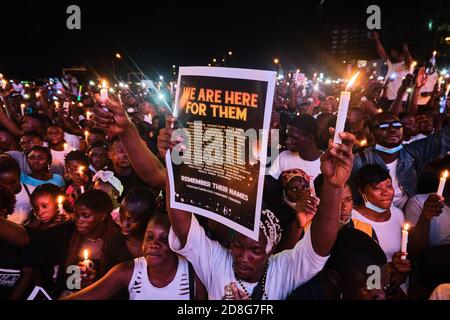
<point>443,104</point>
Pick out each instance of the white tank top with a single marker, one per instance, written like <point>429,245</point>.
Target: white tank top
<point>140,287</point>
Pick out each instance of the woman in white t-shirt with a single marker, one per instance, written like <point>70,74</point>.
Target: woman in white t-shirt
<point>160,274</point>
<point>375,186</point>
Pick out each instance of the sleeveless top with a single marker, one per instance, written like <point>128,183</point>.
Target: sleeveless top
<point>140,287</point>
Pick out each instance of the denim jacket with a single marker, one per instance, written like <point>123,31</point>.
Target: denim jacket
<point>411,159</point>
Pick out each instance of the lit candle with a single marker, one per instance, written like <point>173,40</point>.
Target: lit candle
<point>86,135</point>
<point>104,93</point>
<point>4,83</point>
<point>65,147</point>
<point>60,205</point>
<point>413,66</point>
<point>86,262</point>
<point>404,240</point>
<point>88,115</point>
<point>343,108</point>
<point>38,94</point>
<point>56,105</point>
<point>22,109</point>
<point>434,53</point>
<point>447,91</point>
<point>80,172</point>
<point>380,110</point>
<point>442,182</point>
<point>363,143</point>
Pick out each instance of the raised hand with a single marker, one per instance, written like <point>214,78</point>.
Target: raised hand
<point>337,161</point>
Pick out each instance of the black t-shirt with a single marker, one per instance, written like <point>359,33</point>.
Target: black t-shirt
<point>117,252</point>
<point>12,260</point>
<point>131,181</point>
<point>49,248</point>
<point>311,290</point>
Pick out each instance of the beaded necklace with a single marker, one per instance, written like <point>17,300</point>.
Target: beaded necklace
<point>263,283</point>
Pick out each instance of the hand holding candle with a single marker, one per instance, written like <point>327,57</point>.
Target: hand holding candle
<point>343,109</point>
<point>442,182</point>
<point>86,262</point>
<point>404,244</point>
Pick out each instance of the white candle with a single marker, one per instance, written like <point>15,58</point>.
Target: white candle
<point>86,135</point>
<point>344,101</point>
<point>413,66</point>
<point>404,240</point>
<point>22,109</point>
<point>86,262</point>
<point>88,115</point>
<point>80,172</point>
<point>442,183</point>
<point>60,205</point>
<point>104,93</point>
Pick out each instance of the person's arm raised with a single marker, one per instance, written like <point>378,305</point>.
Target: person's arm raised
<point>180,220</point>
<point>336,166</point>
<point>116,121</point>
<point>117,278</point>
<point>380,49</point>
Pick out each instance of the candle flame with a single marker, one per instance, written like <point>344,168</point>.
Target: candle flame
<point>86,254</point>
<point>413,64</point>
<point>434,52</point>
<point>406,227</point>
<point>60,199</point>
<point>86,133</point>
<point>65,146</point>
<point>380,110</point>
<point>104,84</point>
<point>80,169</point>
<point>445,174</point>
<point>352,81</point>
<point>363,143</point>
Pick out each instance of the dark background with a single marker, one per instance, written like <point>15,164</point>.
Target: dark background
<point>154,35</point>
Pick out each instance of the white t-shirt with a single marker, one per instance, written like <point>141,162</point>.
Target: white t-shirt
<point>389,233</point>
<point>140,287</point>
<point>401,70</point>
<point>58,158</point>
<point>287,160</point>
<point>22,209</point>
<point>440,226</point>
<point>214,264</point>
<point>400,197</point>
<point>72,140</point>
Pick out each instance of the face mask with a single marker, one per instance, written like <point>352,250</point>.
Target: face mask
<point>371,206</point>
<point>388,150</point>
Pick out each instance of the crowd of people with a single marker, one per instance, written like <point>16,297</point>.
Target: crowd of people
<point>83,183</point>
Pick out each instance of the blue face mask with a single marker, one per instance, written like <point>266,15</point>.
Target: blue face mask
<point>388,150</point>
<point>371,206</point>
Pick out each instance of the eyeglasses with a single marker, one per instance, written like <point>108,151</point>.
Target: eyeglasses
<point>387,125</point>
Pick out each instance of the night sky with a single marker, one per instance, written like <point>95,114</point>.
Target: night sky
<point>156,35</point>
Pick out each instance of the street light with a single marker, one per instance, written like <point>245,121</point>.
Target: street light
<point>118,56</point>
